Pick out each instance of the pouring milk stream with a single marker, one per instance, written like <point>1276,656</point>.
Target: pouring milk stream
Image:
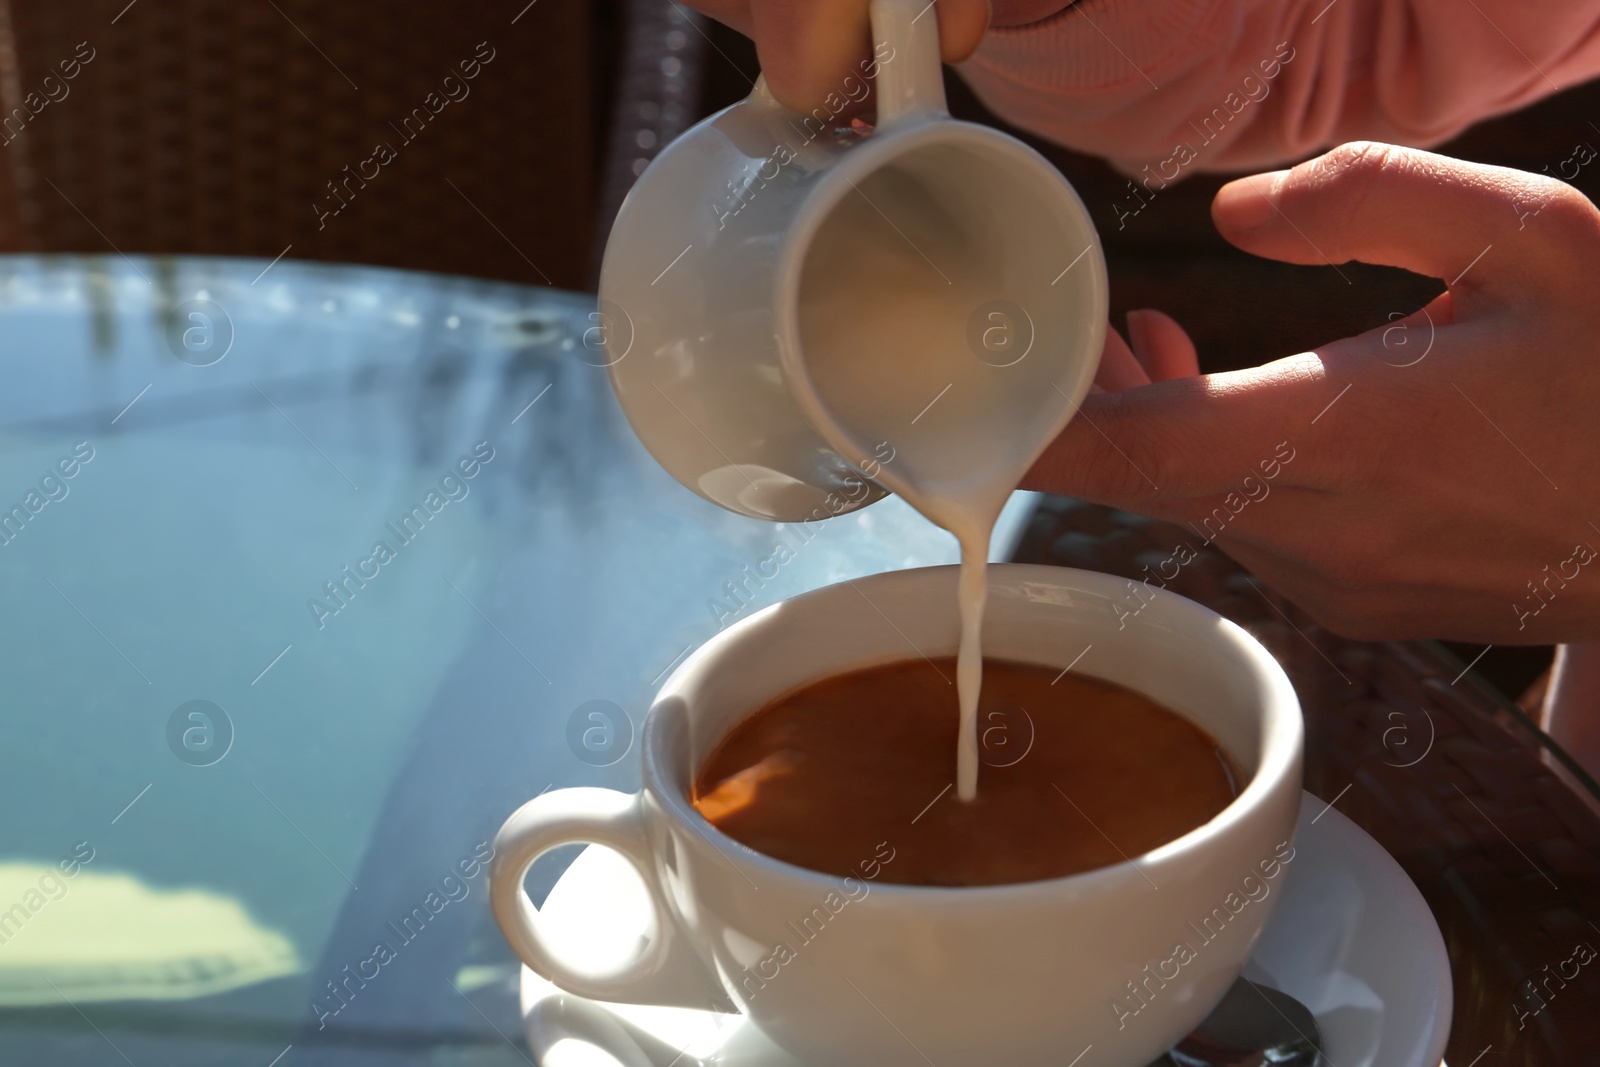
<point>884,327</point>
<point>784,304</point>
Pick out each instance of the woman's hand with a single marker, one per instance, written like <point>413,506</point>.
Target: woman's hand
<point>809,50</point>
<point>1437,477</point>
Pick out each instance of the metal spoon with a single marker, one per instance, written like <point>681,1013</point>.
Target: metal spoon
<point>1254,1026</point>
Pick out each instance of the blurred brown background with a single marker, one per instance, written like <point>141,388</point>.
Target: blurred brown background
<point>219,126</point>
<point>214,126</point>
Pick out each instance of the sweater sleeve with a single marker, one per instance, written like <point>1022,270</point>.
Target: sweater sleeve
<point>1169,86</point>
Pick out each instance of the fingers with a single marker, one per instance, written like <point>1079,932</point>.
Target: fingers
<point>1462,222</point>
<point>1012,13</point>
<point>962,24</point>
<point>1119,369</point>
<point>1189,436</point>
<point>1160,350</point>
<point>809,51</point>
<point>735,14</point>
<point>1161,345</point>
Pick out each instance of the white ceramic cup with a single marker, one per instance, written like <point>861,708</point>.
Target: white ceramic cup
<point>970,251</point>
<point>1026,975</point>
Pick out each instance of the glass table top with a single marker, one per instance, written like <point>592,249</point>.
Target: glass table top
<point>312,574</point>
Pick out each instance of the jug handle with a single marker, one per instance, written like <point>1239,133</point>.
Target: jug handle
<point>910,79</point>
<point>905,56</point>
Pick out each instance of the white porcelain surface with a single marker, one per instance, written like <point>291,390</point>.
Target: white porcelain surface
<point>1015,972</point>
<point>702,280</point>
<point>1351,938</point>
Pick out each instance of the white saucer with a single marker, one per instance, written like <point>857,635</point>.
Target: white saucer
<point>1351,938</point>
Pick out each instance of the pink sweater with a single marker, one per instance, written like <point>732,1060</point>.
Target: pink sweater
<point>1184,85</point>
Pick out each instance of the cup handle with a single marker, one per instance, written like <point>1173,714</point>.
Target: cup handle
<point>665,972</point>
<point>910,79</point>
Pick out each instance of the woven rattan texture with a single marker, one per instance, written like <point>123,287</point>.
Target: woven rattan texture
<point>1498,838</point>
<point>658,97</point>
<point>216,126</point>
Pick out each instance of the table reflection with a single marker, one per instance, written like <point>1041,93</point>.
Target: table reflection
<point>349,563</point>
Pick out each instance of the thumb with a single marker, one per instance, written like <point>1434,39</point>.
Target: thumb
<point>1195,436</point>
<point>1461,222</point>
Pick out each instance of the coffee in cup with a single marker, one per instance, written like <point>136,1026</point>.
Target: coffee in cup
<point>1079,774</point>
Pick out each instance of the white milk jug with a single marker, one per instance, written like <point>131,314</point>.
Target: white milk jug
<point>798,317</point>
